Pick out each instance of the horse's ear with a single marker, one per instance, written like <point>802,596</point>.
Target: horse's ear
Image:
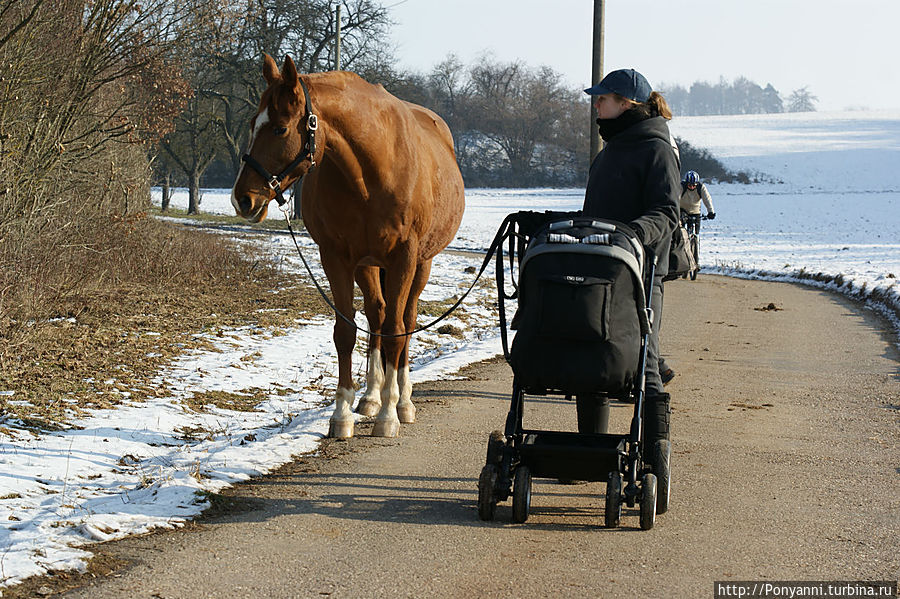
<point>289,72</point>
<point>270,69</point>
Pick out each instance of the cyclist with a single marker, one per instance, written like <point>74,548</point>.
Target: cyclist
<point>693,191</point>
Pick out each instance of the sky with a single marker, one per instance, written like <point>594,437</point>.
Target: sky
<point>841,50</point>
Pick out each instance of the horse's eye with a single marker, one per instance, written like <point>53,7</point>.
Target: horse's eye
<point>279,130</point>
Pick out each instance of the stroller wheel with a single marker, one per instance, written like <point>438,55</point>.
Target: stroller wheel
<point>521,494</point>
<point>487,502</point>
<point>660,457</point>
<point>648,501</point>
<point>613,500</point>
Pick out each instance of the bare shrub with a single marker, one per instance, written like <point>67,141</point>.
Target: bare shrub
<point>86,88</point>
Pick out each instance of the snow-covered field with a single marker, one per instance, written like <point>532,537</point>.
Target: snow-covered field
<point>834,208</point>
<point>831,205</point>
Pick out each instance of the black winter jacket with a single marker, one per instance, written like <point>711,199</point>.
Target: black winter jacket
<point>636,179</point>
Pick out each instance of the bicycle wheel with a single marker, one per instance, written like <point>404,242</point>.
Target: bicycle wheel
<point>695,249</point>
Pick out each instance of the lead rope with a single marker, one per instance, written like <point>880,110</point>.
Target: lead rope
<point>501,234</point>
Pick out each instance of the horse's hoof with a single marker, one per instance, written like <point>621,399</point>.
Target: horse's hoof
<point>406,414</point>
<point>340,429</point>
<point>386,428</point>
<point>367,407</point>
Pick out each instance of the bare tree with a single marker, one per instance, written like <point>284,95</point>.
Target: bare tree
<point>225,57</point>
<point>192,146</point>
<point>802,100</point>
<point>308,29</point>
<point>74,109</point>
<point>518,108</point>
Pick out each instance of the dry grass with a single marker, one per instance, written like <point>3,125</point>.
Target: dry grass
<point>89,325</point>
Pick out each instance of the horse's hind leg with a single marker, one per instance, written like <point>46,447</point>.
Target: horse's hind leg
<point>340,277</point>
<point>368,279</point>
<point>406,411</point>
<point>398,279</point>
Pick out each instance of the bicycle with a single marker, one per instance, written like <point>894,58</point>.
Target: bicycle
<point>692,224</point>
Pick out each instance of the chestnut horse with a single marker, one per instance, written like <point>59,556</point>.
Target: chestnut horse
<point>381,190</point>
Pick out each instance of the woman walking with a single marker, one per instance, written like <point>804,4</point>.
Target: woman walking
<point>636,180</point>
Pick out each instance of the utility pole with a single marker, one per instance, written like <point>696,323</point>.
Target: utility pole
<point>596,73</point>
<point>337,41</point>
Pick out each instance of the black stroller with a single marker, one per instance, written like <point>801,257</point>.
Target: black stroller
<point>582,327</point>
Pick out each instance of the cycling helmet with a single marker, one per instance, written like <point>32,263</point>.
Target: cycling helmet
<point>692,178</point>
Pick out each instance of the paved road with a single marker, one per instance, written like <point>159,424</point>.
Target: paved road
<point>786,466</point>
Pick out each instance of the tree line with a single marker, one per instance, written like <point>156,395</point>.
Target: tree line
<point>741,96</point>
<point>514,125</point>
<point>163,90</point>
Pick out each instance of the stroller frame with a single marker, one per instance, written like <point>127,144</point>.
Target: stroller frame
<point>517,454</point>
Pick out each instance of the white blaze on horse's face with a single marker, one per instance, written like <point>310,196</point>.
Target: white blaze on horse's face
<point>261,120</point>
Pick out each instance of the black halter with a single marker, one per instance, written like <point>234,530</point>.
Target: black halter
<point>309,151</point>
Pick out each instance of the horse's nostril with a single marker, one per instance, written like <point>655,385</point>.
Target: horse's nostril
<point>245,204</point>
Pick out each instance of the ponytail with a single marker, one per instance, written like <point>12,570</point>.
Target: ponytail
<point>659,106</point>
<point>655,105</point>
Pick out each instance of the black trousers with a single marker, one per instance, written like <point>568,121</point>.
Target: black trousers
<point>654,382</point>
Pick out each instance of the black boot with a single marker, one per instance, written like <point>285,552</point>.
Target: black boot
<point>657,449</point>
<point>593,413</point>
<point>656,419</point>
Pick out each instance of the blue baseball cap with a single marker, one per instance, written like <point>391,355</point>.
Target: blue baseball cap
<point>628,83</point>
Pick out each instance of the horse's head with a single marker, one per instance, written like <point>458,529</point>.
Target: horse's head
<point>282,143</point>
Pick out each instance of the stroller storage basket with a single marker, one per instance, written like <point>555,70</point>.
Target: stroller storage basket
<point>581,313</point>
<point>575,456</point>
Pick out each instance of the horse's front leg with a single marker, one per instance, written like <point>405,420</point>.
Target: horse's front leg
<point>406,411</point>
<point>368,279</point>
<point>399,277</point>
<point>340,277</point>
